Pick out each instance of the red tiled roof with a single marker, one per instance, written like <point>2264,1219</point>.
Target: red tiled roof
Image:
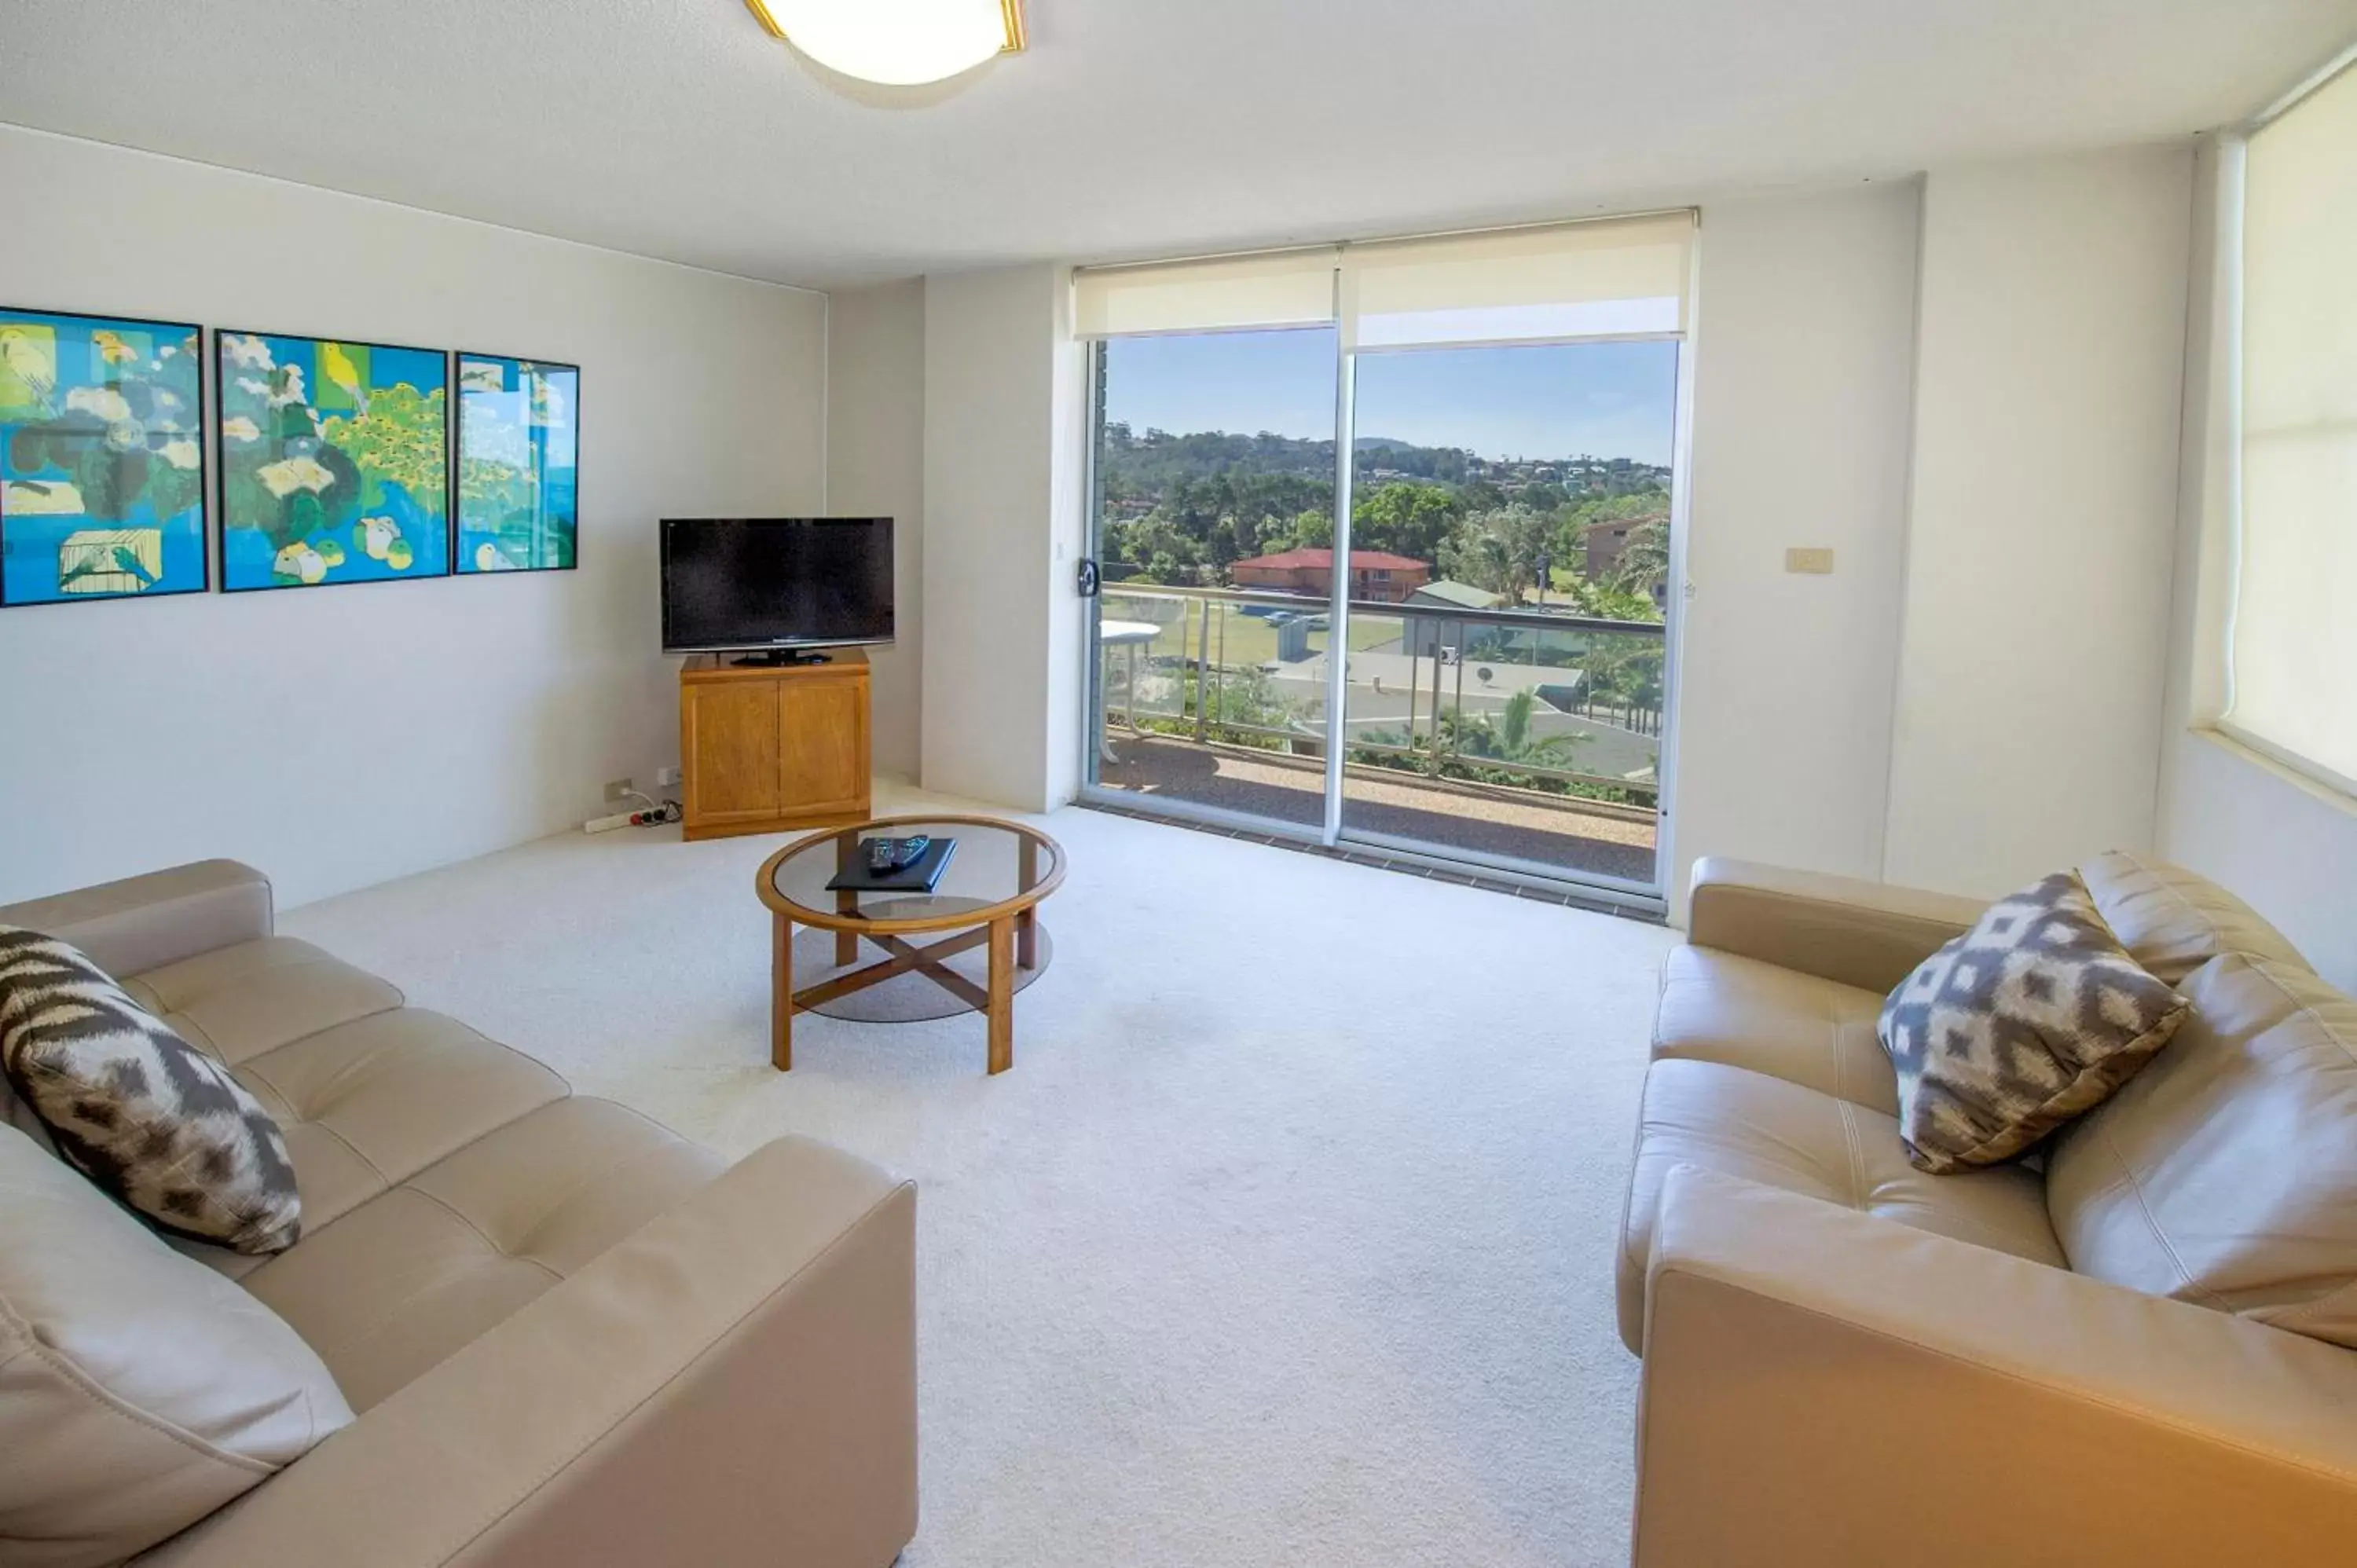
<point>1323,560</point>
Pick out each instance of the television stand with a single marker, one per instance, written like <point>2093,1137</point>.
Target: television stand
<point>780,659</point>
<point>773,747</point>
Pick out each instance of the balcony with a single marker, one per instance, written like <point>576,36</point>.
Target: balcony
<point>1522,737</point>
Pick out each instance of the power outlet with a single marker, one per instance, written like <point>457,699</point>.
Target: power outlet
<point>618,790</point>
<point>666,778</point>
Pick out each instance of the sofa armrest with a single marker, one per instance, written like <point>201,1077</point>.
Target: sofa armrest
<point>145,922</point>
<point>1866,934</point>
<point>733,1384</point>
<point>1827,1388</point>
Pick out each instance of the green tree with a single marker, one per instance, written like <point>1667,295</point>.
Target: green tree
<point>1643,569</point>
<point>1605,602</point>
<point>1507,738</point>
<point>1313,531</point>
<point>1405,518</point>
<point>1498,550</point>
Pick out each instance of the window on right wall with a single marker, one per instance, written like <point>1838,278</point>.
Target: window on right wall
<point>2293,648</point>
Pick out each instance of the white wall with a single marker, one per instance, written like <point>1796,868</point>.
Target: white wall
<point>876,467</point>
<point>340,737</point>
<point>991,449</point>
<point>1803,358</point>
<point>2042,518</point>
<point>2000,509</point>
<point>2287,846</point>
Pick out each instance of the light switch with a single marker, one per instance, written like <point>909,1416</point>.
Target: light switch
<point>1816,562</point>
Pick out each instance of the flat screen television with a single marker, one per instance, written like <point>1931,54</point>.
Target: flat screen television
<point>775,586</point>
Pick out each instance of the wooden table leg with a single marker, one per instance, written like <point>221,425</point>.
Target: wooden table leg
<point>847,857</point>
<point>782,994</point>
<point>847,943</point>
<point>1027,923</point>
<point>1001,1011</point>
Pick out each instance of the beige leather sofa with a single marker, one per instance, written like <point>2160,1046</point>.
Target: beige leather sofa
<point>568,1335</point>
<point>1851,1364</point>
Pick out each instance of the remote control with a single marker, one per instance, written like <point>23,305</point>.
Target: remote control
<point>881,857</point>
<point>912,850</point>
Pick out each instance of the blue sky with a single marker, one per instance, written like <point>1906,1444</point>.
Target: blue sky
<point>1603,400</point>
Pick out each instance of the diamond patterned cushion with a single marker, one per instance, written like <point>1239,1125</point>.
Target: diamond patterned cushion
<point>2031,1018</point>
<point>135,1108</point>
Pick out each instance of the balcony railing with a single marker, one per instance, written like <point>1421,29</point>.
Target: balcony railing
<point>1526,700</point>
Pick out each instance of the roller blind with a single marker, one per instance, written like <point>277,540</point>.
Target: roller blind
<point>1618,278</point>
<point>2294,639</point>
<point>1287,288</point>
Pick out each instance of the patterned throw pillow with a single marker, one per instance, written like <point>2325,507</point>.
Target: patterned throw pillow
<point>2032,1017</point>
<point>151,1119</point>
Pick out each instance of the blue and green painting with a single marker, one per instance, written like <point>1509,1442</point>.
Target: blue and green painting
<point>335,462</point>
<point>101,459</point>
<point>519,453</point>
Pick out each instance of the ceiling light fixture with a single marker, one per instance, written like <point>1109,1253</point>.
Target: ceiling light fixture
<point>900,43</point>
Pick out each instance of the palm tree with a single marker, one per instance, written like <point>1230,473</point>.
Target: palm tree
<point>1506,738</point>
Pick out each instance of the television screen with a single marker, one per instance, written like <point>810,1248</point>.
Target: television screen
<point>756,583</point>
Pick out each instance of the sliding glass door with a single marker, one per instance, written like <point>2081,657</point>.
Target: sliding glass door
<point>1384,536</point>
<point>1512,505</point>
<point>1213,499</point>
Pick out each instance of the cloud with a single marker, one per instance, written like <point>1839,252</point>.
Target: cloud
<point>246,353</point>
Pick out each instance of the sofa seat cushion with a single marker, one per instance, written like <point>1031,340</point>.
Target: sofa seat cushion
<point>2173,921</point>
<point>399,1284</point>
<point>367,1105</point>
<point>138,1391</point>
<point>1719,1007</point>
<point>1763,1129</point>
<point>2226,1172</point>
<point>240,1001</point>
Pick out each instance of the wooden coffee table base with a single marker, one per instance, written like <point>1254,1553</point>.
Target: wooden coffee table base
<point>1013,940</point>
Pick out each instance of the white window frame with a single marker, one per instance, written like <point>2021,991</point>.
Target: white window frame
<point>2230,297</point>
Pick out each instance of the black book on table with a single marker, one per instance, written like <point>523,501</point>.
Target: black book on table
<point>919,877</point>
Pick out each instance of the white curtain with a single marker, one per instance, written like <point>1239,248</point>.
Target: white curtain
<point>2295,632</point>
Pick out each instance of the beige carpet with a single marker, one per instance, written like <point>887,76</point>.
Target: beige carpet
<point>1287,1240</point>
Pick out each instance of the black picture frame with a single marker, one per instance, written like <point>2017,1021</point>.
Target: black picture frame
<point>459,563</point>
<point>205,470</point>
<point>443,538</point>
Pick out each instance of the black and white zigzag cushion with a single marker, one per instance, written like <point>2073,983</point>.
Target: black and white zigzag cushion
<point>2031,1018</point>
<point>156,1123</point>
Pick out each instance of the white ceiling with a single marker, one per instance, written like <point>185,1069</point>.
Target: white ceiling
<point>677,128</point>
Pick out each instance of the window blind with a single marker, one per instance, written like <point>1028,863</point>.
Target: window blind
<point>1623,277</point>
<point>1612,278</point>
<point>1241,293</point>
<point>2294,648</point>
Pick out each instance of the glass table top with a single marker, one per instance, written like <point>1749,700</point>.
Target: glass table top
<point>993,864</point>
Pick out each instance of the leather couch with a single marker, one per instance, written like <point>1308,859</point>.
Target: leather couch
<point>1851,1364</point>
<point>567,1335</point>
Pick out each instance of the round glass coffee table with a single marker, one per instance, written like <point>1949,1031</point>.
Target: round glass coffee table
<point>988,894</point>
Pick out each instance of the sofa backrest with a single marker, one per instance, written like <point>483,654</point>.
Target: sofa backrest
<point>2225,1173</point>
<point>2172,920</point>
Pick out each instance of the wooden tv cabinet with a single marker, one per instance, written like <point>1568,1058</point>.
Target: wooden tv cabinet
<point>771,748</point>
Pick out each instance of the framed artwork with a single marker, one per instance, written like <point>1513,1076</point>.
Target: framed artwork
<point>335,461</point>
<point>101,459</point>
<point>519,491</point>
